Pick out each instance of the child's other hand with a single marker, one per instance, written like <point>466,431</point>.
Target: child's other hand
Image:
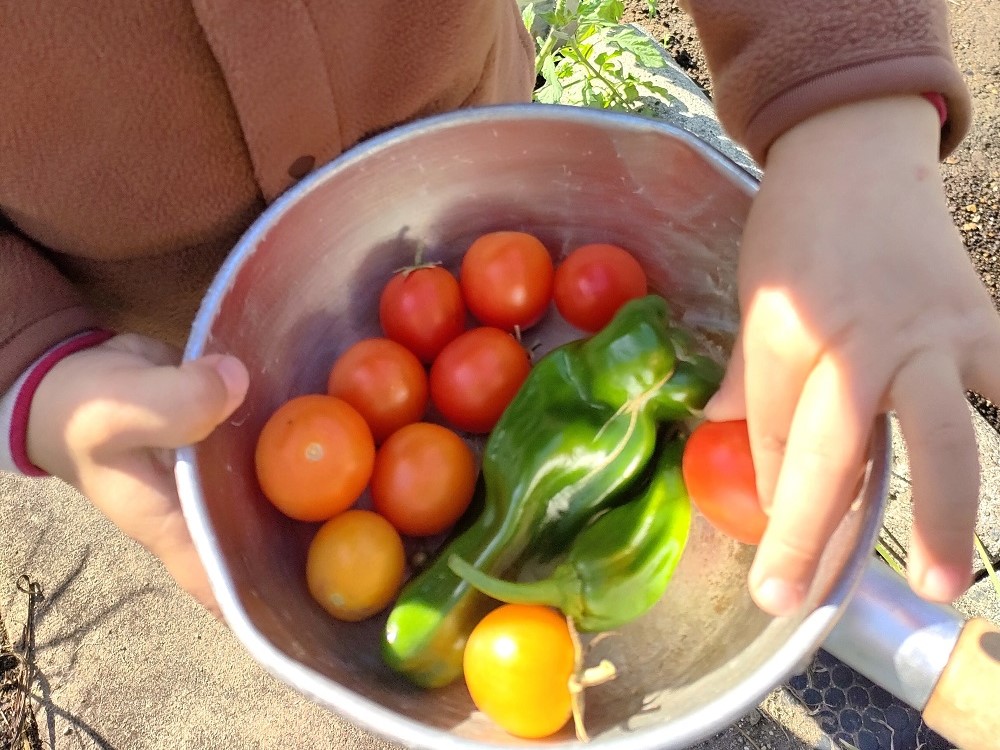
<point>104,420</point>
<point>857,297</point>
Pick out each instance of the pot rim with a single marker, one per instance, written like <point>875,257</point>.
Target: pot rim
<point>717,713</point>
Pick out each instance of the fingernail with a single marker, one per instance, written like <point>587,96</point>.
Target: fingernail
<point>232,372</point>
<point>778,597</point>
<point>942,584</point>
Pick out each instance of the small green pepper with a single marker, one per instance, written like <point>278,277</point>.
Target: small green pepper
<point>619,566</point>
<point>577,435</point>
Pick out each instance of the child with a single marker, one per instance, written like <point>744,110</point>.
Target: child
<point>139,140</point>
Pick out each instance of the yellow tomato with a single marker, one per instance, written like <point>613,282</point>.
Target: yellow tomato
<point>518,663</point>
<point>356,564</point>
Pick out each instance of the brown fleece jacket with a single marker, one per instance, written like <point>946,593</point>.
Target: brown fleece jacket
<point>139,139</point>
<point>774,62</point>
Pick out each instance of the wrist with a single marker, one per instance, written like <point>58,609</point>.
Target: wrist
<point>872,132</point>
<point>15,406</point>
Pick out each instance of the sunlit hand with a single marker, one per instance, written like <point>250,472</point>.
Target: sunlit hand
<point>857,297</point>
<point>104,419</point>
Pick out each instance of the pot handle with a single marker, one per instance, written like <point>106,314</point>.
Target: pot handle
<point>962,706</point>
<point>925,654</point>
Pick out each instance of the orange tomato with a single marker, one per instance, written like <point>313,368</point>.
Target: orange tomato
<point>518,662</point>
<point>355,565</point>
<point>384,381</point>
<point>314,457</point>
<point>424,479</point>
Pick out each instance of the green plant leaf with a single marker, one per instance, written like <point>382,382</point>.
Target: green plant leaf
<point>655,90</point>
<point>528,15</point>
<point>552,90</point>
<point>990,570</point>
<point>639,45</point>
<point>611,10</point>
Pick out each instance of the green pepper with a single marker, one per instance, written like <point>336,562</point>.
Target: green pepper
<point>619,566</point>
<point>576,436</point>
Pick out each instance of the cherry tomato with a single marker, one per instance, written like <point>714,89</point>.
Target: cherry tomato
<point>593,282</point>
<point>422,309</point>
<point>424,478</point>
<point>384,381</point>
<point>719,475</point>
<point>314,457</point>
<point>355,565</point>
<point>506,280</point>
<point>518,662</point>
<point>476,376</point>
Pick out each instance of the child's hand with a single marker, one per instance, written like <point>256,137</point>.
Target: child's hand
<point>103,419</point>
<point>857,297</point>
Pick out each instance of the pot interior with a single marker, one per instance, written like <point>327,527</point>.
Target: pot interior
<point>303,285</point>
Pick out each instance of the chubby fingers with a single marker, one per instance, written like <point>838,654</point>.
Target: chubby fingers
<point>167,406</point>
<point>929,399</point>
<point>779,353</point>
<point>827,443</point>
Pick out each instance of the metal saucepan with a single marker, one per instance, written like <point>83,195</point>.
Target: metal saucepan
<point>303,284</point>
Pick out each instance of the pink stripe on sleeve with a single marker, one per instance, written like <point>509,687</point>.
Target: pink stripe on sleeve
<point>25,391</point>
<point>939,104</point>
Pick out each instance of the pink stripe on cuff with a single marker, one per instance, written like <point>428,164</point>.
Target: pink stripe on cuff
<point>939,104</point>
<point>22,402</point>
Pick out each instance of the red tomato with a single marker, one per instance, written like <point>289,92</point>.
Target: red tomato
<point>517,663</point>
<point>719,475</point>
<point>424,478</point>
<point>314,457</point>
<point>422,309</point>
<point>506,280</point>
<point>593,282</point>
<point>476,376</point>
<point>384,381</point>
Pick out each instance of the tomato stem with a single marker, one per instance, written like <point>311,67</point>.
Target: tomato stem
<point>583,678</point>
<point>605,671</point>
<point>418,262</point>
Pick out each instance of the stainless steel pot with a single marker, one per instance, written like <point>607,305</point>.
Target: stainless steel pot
<point>303,284</point>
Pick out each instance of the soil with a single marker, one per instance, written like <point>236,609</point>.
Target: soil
<point>971,173</point>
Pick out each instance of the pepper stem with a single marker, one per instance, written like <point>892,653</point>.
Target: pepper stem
<point>561,590</point>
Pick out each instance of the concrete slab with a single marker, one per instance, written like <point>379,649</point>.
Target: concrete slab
<point>981,600</point>
<point>126,660</point>
<point>899,510</point>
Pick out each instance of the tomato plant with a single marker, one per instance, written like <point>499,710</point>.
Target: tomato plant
<point>518,662</point>
<point>314,457</point>
<point>593,282</point>
<point>355,565</point>
<point>720,479</point>
<point>423,479</point>
<point>384,381</point>
<point>422,309</point>
<point>506,280</point>
<point>476,376</point>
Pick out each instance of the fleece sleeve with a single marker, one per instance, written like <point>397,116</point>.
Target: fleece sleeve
<point>775,63</point>
<point>38,307</point>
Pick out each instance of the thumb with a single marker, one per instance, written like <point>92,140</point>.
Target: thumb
<point>167,407</point>
<point>729,402</point>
